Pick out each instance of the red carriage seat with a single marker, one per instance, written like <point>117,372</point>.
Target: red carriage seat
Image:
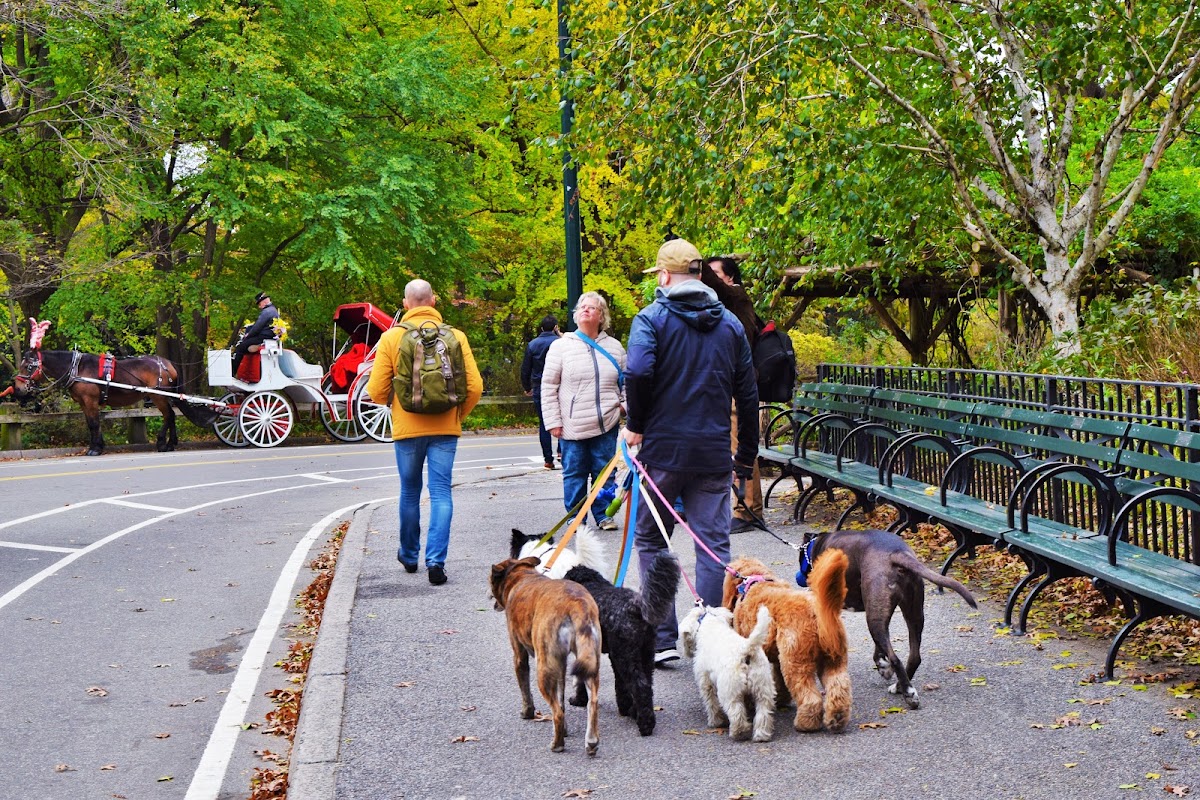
<point>250,368</point>
<point>346,367</point>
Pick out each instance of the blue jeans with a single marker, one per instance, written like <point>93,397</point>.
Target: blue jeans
<point>411,455</point>
<point>544,437</point>
<point>706,500</point>
<point>582,461</point>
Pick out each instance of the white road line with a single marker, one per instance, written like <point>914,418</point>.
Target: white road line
<point>115,502</point>
<point>316,476</point>
<point>185,487</point>
<point>46,547</point>
<point>210,774</point>
<point>34,580</point>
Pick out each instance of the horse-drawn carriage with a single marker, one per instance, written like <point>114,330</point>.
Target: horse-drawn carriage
<point>262,412</point>
<point>260,403</point>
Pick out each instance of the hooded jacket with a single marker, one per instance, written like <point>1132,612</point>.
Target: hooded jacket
<point>689,360</point>
<point>579,387</point>
<point>534,362</point>
<point>406,424</point>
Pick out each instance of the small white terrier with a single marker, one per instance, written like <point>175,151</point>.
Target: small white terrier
<point>731,671</point>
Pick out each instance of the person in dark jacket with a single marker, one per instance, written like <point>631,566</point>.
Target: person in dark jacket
<point>259,332</point>
<point>532,366</point>
<point>688,364</point>
<point>723,275</point>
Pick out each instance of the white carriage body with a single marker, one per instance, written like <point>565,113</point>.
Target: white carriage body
<point>280,370</point>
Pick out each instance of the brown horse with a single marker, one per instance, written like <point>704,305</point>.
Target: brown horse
<point>64,368</point>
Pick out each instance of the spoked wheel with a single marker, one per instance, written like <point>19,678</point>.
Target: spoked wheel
<point>266,418</point>
<point>226,426</point>
<point>373,418</point>
<point>341,428</point>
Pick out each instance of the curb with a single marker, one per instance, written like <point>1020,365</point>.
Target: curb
<point>312,774</point>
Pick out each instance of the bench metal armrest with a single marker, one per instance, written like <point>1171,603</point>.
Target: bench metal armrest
<point>1044,473</point>
<point>858,430</point>
<point>1180,497</point>
<point>970,454</point>
<point>800,445</point>
<point>904,443</point>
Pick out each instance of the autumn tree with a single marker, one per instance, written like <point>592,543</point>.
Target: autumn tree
<point>1030,130</point>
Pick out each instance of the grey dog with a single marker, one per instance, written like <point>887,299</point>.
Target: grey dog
<point>884,574</point>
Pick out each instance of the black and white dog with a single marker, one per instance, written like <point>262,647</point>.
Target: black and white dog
<point>884,574</point>
<point>589,552</point>
<point>627,623</point>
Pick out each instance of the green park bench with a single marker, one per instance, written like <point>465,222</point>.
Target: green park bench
<point>1074,495</point>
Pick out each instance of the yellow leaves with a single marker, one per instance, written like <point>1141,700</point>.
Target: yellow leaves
<point>1071,764</point>
<point>978,681</point>
<point>741,794</point>
<point>1065,665</point>
<point>1093,701</point>
<point>956,668</point>
<point>883,712</point>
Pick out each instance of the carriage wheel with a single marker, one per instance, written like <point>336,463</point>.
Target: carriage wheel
<point>343,429</point>
<point>226,426</point>
<point>373,418</point>
<point>266,418</point>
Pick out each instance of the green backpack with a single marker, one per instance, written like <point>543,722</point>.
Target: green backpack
<point>431,375</point>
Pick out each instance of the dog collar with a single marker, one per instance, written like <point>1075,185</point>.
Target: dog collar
<point>749,581</point>
<point>805,563</point>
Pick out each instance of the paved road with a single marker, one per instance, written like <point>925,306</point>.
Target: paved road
<point>412,695</point>
<point>144,598</point>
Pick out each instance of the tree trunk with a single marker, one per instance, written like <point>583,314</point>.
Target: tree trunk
<point>1060,300</point>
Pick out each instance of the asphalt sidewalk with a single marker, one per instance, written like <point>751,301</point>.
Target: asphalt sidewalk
<point>411,694</point>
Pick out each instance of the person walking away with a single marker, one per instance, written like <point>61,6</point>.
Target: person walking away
<point>257,333</point>
<point>532,366</point>
<point>689,362</point>
<point>423,440</point>
<point>723,275</point>
<point>581,400</point>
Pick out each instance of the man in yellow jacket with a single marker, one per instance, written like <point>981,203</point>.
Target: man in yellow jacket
<point>423,438</point>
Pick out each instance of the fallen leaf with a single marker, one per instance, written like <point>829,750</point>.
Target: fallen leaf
<point>871,725</point>
<point>956,668</point>
<point>167,600</point>
<point>1071,764</point>
<point>460,739</point>
<point>97,691</point>
<point>690,732</point>
<point>1152,776</point>
<point>965,628</point>
<point>1180,713</point>
<point>448,631</point>
<point>469,708</point>
<point>1130,786</point>
<point>63,768</point>
<point>577,793</point>
<point>1191,734</point>
<point>539,716</point>
<point>162,736</point>
<point>108,767</point>
<point>931,687</point>
<point>1178,791</point>
<point>165,779</point>
<point>1157,731</point>
<point>160,666</point>
<point>405,684</point>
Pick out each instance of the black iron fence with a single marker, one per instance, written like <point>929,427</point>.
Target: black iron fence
<point>1168,405</point>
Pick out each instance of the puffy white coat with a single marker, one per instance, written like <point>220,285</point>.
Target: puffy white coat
<point>579,387</point>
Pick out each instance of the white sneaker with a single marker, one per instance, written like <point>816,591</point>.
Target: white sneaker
<point>608,524</point>
<point>665,656</point>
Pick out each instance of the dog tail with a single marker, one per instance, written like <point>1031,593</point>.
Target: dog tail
<point>906,561</point>
<point>758,636</point>
<point>828,583</point>
<point>591,550</point>
<point>658,590</point>
<point>587,647</point>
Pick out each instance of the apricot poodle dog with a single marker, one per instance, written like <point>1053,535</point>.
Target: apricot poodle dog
<point>807,641</point>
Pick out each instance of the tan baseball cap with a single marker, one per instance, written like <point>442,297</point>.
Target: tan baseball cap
<point>676,255</point>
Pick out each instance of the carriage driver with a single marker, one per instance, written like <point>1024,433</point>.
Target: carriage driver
<point>260,331</point>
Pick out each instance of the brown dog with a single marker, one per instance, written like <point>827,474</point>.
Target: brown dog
<point>551,619</point>
<point>884,575</point>
<point>807,640</point>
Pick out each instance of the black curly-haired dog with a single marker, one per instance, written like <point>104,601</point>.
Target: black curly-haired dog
<point>627,623</point>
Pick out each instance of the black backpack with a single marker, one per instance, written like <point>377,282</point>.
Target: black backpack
<point>775,363</point>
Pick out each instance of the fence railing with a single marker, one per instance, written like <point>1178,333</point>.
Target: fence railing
<point>1169,405</point>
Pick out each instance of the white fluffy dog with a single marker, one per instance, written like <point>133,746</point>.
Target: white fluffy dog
<point>731,671</point>
<point>589,552</point>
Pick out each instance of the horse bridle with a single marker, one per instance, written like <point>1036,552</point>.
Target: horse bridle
<point>35,375</point>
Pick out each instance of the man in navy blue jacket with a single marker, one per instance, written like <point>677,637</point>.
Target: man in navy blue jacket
<point>689,363</point>
<point>531,379</point>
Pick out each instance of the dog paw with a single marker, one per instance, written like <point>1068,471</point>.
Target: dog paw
<point>579,702</point>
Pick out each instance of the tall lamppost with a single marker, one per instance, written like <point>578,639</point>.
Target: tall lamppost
<point>570,173</point>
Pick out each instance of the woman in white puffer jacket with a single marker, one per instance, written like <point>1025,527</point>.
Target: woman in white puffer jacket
<point>581,400</point>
